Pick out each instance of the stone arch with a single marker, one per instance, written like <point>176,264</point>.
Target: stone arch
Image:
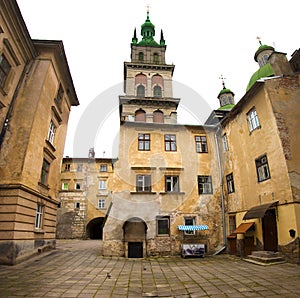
<point>94,229</point>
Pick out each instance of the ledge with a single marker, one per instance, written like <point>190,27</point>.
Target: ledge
<point>143,193</point>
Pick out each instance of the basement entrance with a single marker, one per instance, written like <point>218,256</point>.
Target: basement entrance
<point>134,230</point>
<point>94,229</point>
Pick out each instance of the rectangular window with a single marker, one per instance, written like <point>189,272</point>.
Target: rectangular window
<point>189,221</point>
<point>103,168</point>
<point>77,186</point>
<point>172,183</point>
<point>51,132</point>
<point>65,186</point>
<point>204,185</point>
<point>67,167</point>
<point>253,119</point>
<point>230,183</point>
<point>77,205</point>
<point>201,144</point>
<point>59,96</point>
<point>262,168</point>
<point>170,143</point>
<point>163,225</point>
<point>79,167</point>
<point>144,142</point>
<point>45,172</point>
<point>4,70</point>
<point>101,204</point>
<point>225,142</point>
<point>102,184</point>
<point>232,224</point>
<point>38,216</point>
<point>143,183</point>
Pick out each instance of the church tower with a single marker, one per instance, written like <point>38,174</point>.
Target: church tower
<point>148,81</point>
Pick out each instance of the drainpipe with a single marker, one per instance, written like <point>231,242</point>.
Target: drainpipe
<point>12,103</point>
<point>221,187</point>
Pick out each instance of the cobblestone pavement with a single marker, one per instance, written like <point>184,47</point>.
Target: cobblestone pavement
<point>76,269</point>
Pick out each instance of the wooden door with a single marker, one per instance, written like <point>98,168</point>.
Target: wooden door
<point>269,226</point>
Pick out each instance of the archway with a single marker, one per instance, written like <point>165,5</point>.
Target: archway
<point>135,230</point>
<point>94,229</point>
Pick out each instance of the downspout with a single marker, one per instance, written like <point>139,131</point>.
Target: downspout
<point>12,103</point>
<point>221,188</point>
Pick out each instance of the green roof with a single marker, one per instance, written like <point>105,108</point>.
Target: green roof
<point>225,90</point>
<point>263,72</point>
<point>263,47</point>
<point>148,42</point>
<point>227,107</point>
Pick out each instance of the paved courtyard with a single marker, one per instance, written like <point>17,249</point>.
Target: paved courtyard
<point>76,269</point>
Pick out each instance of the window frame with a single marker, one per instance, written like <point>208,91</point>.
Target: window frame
<point>101,203</point>
<point>103,167</point>
<point>78,184</point>
<point>187,218</point>
<point>230,183</point>
<point>158,228</point>
<point>143,183</point>
<point>201,144</point>
<point>172,184</point>
<point>45,172</point>
<point>253,121</point>
<point>157,91</point>
<point>65,186</point>
<point>144,140</point>
<point>262,167</point>
<point>77,205</point>
<point>140,90</point>
<point>5,68</point>
<point>51,132</point>
<point>170,143</point>
<point>38,223</point>
<point>204,184</point>
<point>102,184</point>
<point>225,142</point>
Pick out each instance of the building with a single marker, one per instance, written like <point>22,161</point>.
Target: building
<point>36,95</point>
<point>85,197</point>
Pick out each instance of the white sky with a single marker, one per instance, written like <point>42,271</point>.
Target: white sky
<point>204,40</point>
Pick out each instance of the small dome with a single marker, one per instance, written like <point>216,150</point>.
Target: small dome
<point>224,91</point>
<point>262,48</point>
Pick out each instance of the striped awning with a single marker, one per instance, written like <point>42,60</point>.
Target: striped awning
<point>193,228</point>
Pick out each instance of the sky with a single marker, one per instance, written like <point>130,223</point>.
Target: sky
<point>205,39</point>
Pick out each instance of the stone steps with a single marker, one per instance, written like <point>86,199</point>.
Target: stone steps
<point>265,258</point>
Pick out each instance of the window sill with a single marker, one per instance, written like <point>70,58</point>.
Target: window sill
<point>254,129</point>
<point>43,185</point>
<point>143,193</point>
<point>172,193</point>
<point>50,145</point>
<point>39,231</point>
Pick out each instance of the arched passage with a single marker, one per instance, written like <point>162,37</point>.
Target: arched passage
<point>94,229</point>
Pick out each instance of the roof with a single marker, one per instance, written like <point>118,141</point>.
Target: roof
<point>226,107</point>
<point>259,211</point>
<point>243,228</point>
<point>263,72</point>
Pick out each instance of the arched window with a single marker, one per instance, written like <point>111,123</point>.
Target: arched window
<point>140,116</point>
<point>158,116</point>
<point>155,57</point>
<point>157,91</point>
<point>141,56</point>
<point>140,91</point>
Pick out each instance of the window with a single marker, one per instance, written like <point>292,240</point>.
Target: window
<point>155,57</point>
<point>163,225</point>
<point>45,172</point>
<point>232,223</point>
<point>172,183</point>
<point>140,116</point>
<point>38,216</point>
<point>204,185</point>
<point>102,184</point>
<point>170,143</point>
<point>189,221</point>
<point>158,116</point>
<point>51,132</point>
<point>59,96</point>
<point>157,91</point>
<point>103,168</point>
<point>143,183</point>
<point>201,144</point>
<point>4,70</point>
<point>65,186</point>
<point>253,119</point>
<point>79,167</point>
<point>77,205</point>
<point>101,203</point>
<point>141,56</point>
<point>230,183</point>
<point>144,142</point>
<point>225,142</point>
<point>140,91</point>
<point>67,167</point>
<point>77,186</point>
<point>262,168</point>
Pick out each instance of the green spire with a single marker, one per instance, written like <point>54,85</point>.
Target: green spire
<point>162,40</point>
<point>134,38</point>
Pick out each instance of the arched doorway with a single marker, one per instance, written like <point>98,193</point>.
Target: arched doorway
<point>94,229</point>
<point>134,230</point>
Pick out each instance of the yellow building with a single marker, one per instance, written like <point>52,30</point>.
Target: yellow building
<point>261,165</point>
<point>36,95</point>
<point>85,197</point>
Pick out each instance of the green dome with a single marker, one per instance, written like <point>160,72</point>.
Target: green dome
<point>225,90</point>
<point>263,47</point>
<point>263,72</point>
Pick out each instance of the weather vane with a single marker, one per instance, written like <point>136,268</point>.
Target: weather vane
<point>223,80</point>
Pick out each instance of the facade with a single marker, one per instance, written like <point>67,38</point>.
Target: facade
<point>36,95</point>
<point>85,197</point>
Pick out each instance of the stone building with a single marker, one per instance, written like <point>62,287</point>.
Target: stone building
<point>36,95</point>
<point>85,197</point>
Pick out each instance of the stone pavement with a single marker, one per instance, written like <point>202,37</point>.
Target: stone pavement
<point>76,269</point>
